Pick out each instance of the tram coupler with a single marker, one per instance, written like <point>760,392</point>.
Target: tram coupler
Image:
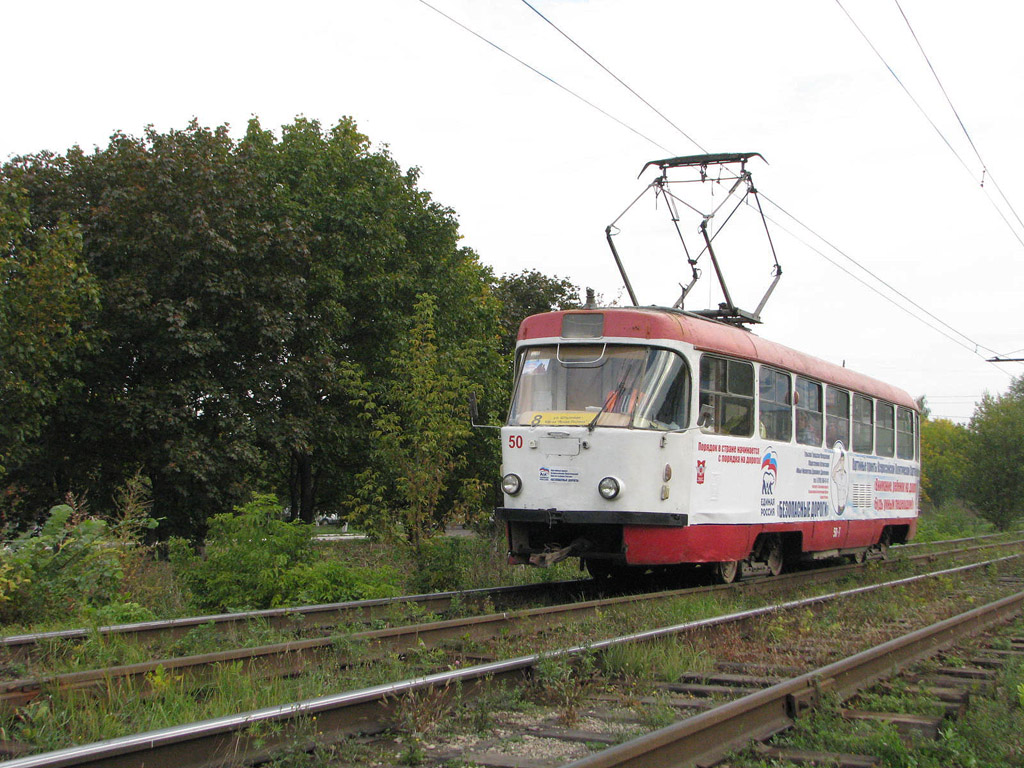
<point>547,559</point>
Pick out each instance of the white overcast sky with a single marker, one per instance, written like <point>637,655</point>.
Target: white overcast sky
<point>535,175</point>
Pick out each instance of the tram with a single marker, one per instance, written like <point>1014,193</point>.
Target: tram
<point>643,438</point>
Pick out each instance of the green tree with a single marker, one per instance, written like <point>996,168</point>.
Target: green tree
<point>251,293</point>
<point>418,433</point>
<point>196,295</point>
<point>944,449</point>
<point>370,241</point>
<point>995,467</point>
<point>48,299</point>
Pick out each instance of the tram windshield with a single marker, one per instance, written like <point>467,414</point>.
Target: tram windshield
<point>601,384</point>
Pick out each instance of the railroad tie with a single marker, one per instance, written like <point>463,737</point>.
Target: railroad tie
<point>923,725</point>
<point>810,757</point>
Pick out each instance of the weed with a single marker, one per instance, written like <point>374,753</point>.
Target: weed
<point>421,712</point>
<point>654,716</point>
<point>565,683</point>
<point>667,660</point>
<point>413,754</point>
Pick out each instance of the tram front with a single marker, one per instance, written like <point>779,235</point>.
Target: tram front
<point>596,426</point>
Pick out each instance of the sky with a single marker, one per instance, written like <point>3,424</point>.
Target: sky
<point>535,173</point>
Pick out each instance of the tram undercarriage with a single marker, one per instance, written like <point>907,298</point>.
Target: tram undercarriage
<point>604,549</point>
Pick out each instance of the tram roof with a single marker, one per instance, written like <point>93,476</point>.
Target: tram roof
<point>712,336</point>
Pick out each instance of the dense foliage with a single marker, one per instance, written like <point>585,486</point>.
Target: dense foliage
<point>256,560</point>
<point>982,464</point>
<point>943,460</point>
<point>227,315</point>
<point>995,457</point>
<point>77,564</point>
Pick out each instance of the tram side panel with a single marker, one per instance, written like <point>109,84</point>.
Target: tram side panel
<point>832,498</point>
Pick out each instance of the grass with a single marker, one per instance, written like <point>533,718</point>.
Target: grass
<point>57,721</point>
<point>952,520</point>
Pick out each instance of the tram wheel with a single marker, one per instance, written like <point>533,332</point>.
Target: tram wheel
<point>727,571</point>
<point>860,557</point>
<point>883,544</point>
<point>774,556</point>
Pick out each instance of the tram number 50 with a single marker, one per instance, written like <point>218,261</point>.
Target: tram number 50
<point>515,441</point>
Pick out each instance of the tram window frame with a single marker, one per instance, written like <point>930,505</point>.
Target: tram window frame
<point>863,429</point>
<point>776,420</point>
<point>672,399</point>
<point>811,414</point>
<point>837,416</point>
<point>728,386</point>
<point>905,438</point>
<point>885,429</point>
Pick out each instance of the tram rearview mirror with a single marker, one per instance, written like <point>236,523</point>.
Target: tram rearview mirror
<point>706,417</point>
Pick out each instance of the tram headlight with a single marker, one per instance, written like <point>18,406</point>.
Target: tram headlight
<point>511,484</point>
<point>608,487</point>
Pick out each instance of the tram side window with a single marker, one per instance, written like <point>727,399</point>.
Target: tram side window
<point>775,412</point>
<point>905,433</point>
<point>863,424</point>
<point>808,412</point>
<point>837,416</point>
<point>885,429</point>
<point>728,386</point>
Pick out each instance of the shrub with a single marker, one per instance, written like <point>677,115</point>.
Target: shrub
<point>255,560</point>
<point>950,520</point>
<point>445,564</point>
<point>73,564</point>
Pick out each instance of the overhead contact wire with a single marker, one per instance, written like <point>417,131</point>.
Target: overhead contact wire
<point>616,77</point>
<point>984,166</point>
<point>896,291</point>
<point>541,74</point>
<point>875,290</point>
<point>931,122</point>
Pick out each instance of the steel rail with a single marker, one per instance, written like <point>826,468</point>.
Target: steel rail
<point>253,735</point>
<point>709,736</point>
<point>19,647</point>
<point>291,657</point>
<point>327,614</point>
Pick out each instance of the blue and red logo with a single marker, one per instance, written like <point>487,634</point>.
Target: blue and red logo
<point>769,471</point>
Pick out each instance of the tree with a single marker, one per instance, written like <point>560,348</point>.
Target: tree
<point>48,300</point>
<point>995,467</point>
<point>370,241</point>
<point>251,293</point>
<point>944,447</point>
<point>419,434</point>
<point>196,295</point>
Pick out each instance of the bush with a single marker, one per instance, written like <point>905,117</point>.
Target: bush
<point>255,560</point>
<point>445,564</point>
<point>951,520</point>
<point>71,566</point>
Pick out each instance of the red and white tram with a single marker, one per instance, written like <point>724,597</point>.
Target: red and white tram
<point>647,437</point>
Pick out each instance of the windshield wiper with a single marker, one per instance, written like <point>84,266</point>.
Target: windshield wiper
<point>614,396</point>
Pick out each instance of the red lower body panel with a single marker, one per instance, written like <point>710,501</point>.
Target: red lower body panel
<point>653,545</point>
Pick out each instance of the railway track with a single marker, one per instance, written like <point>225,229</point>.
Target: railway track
<point>294,656</point>
<point>305,618</point>
<point>369,710</point>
